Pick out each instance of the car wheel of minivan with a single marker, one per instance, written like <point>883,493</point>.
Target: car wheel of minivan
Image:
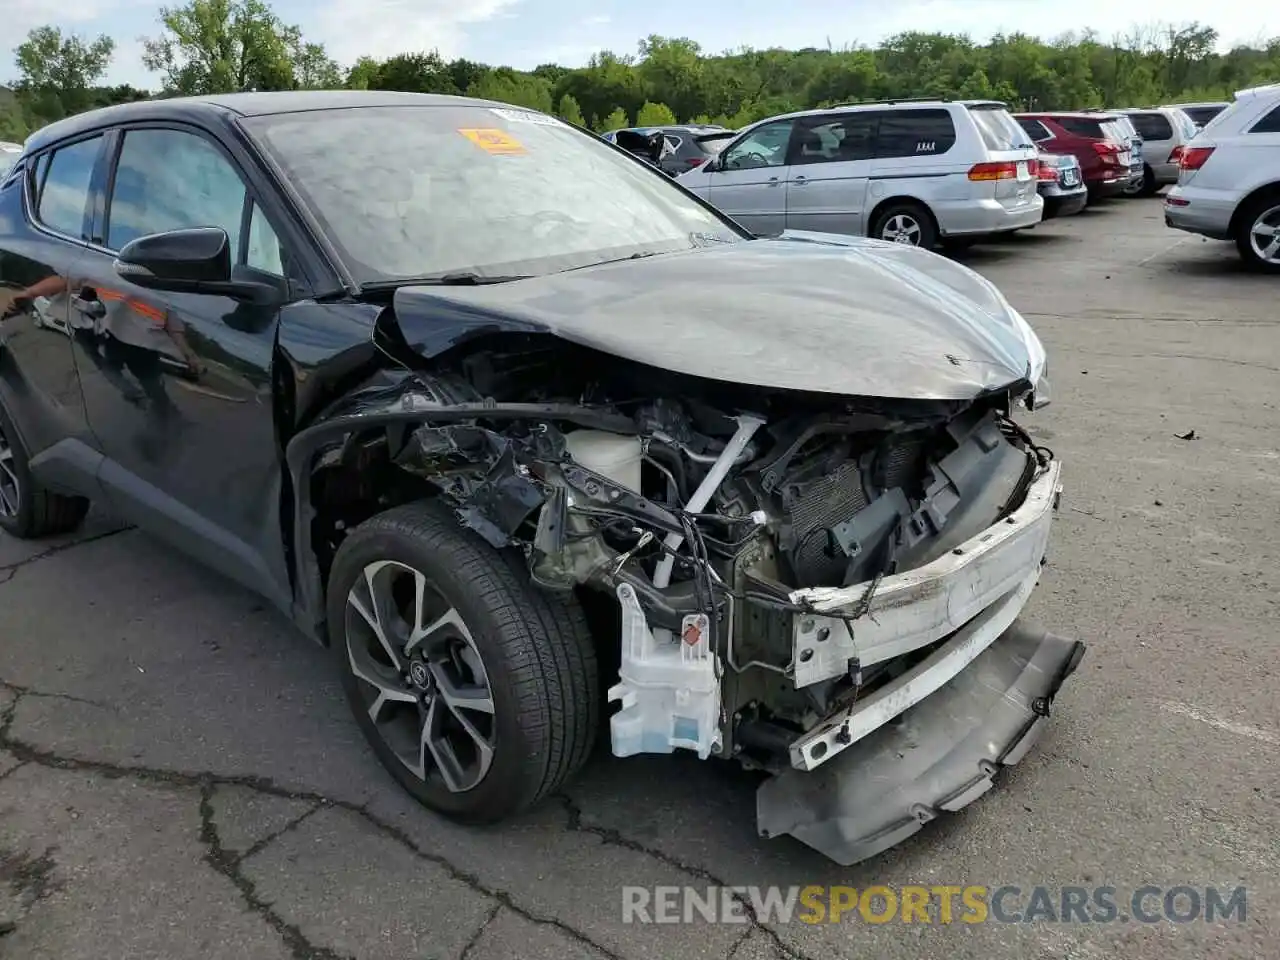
<point>476,690</point>
<point>1149,185</point>
<point>1258,233</point>
<point>909,223</point>
<point>27,510</point>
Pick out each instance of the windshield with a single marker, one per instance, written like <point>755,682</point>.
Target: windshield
<point>998,128</point>
<point>424,191</point>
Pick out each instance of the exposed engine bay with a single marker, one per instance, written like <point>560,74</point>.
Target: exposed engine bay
<point>715,516</point>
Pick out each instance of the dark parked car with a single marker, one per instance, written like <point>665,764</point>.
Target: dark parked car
<point>407,367</point>
<point>1061,185</point>
<point>687,147</point>
<point>1096,140</point>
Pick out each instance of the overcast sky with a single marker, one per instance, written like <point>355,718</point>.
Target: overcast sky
<point>524,33</point>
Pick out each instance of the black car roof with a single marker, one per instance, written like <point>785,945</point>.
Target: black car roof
<point>238,105</point>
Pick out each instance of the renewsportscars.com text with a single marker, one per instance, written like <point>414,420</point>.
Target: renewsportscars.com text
<point>935,904</point>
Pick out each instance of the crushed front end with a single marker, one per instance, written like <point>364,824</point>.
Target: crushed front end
<point>825,588</point>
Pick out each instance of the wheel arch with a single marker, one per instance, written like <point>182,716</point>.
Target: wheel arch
<point>905,199</point>
<point>1267,189</point>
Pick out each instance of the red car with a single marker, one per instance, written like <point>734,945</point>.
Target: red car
<point>1101,148</point>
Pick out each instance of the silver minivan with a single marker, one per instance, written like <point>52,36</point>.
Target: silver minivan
<point>915,172</point>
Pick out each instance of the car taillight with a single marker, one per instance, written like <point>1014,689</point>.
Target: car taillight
<point>696,161</point>
<point>1193,158</point>
<point>1107,151</point>
<point>993,171</point>
<point>1048,172</point>
<point>1175,155</point>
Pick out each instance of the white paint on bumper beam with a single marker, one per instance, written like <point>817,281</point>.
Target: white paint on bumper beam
<point>918,607</point>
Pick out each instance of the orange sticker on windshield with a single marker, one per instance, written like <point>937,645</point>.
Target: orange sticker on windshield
<point>497,142</point>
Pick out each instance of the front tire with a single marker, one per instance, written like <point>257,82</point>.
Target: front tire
<point>27,510</point>
<point>476,690</point>
<point>1258,234</point>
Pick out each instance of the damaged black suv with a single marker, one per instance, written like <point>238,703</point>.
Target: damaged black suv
<point>519,428</point>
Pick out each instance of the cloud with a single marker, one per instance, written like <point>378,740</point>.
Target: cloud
<point>350,29</point>
<point>597,20</point>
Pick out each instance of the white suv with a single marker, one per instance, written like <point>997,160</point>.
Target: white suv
<point>911,172</point>
<point>1229,179</point>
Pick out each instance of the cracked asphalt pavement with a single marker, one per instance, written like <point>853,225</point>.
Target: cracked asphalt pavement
<point>179,777</point>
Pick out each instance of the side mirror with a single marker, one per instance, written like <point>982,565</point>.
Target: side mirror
<point>196,260</point>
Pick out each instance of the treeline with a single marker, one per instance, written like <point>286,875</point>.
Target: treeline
<point>218,46</point>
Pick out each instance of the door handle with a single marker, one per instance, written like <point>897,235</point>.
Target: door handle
<point>773,181</point>
<point>799,181</point>
<point>93,308</point>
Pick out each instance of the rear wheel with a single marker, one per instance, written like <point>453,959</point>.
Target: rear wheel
<point>1258,234</point>
<point>906,223</point>
<point>1149,185</point>
<point>27,510</point>
<point>476,690</point>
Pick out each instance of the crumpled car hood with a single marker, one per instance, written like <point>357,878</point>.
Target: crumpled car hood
<point>804,311</point>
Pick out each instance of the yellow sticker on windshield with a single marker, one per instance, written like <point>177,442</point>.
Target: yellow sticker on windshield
<point>497,142</point>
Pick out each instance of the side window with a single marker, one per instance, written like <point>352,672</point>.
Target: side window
<point>65,190</point>
<point>766,146</point>
<point>1036,130</point>
<point>915,133</point>
<point>171,180</point>
<point>1152,126</point>
<point>836,139</point>
<point>1268,124</point>
<point>264,248</point>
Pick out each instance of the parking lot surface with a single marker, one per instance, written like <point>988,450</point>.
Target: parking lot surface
<point>179,776</point>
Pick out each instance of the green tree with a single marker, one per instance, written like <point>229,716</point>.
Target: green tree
<point>507,86</point>
<point>607,82</point>
<point>569,111</point>
<point>655,115</point>
<point>59,68</point>
<point>411,72</point>
<point>613,121</point>
<point>223,46</point>
<point>674,73</point>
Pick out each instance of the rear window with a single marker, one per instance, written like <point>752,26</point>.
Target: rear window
<point>998,129</point>
<point>1034,128</point>
<point>1152,126</point>
<point>1185,124</point>
<point>1125,126</point>
<point>912,133</point>
<point>1202,115</point>
<point>1083,127</point>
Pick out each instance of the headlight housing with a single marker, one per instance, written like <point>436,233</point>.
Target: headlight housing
<point>1042,394</point>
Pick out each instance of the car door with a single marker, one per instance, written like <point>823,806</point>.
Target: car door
<point>749,182</point>
<point>828,172</point>
<point>178,385</point>
<point>45,217</point>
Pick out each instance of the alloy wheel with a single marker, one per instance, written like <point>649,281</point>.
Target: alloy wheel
<point>10,488</point>
<point>1264,236</point>
<point>425,685</point>
<point>901,228</point>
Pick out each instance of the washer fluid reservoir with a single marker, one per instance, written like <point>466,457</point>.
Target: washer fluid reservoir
<point>611,455</point>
